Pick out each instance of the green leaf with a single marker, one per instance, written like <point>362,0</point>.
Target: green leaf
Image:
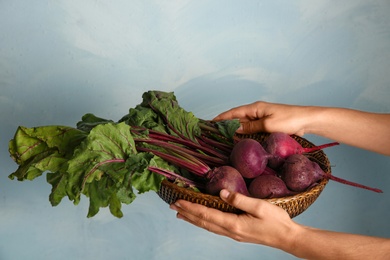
<point>124,188</point>
<point>45,161</point>
<point>24,146</point>
<point>228,128</point>
<point>144,117</point>
<point>100,193</point>
<point>143,179</point>
<point>99,170</point>
<point>105,193</point>
<point>115,206</point>
<point>153,95</point>
<point>63,138</point>
<point>168,108</point>
<point>59,181</point>
<point>89,121</point>
<point>106,144</point>
<point>40,149</point>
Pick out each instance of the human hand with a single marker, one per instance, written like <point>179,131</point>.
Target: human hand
<point>261,223</point>
<point>269,117</point>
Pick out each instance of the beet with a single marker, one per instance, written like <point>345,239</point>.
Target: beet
<point>282,145</point>
<point>268,186</point>
<point>225,177</point>
<point>299,173</point>
<point>269,171</point>
<point>249,157</point>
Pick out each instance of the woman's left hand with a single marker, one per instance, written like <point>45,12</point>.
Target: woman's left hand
<point>261,222</point>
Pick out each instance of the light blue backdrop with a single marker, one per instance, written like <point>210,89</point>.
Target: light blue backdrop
<point>62,59</point>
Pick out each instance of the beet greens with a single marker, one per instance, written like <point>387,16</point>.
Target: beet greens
<point>105,160</point>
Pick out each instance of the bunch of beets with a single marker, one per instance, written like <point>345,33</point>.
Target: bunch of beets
<point>277,167</point>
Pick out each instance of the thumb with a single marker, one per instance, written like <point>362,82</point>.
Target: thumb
<point>240,201</point>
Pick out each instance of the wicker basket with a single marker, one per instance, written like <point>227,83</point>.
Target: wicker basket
<point>294,205</point>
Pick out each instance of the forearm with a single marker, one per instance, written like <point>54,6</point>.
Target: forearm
<point>312,243</point>
<point>267,224</point>
<point>370,131</point>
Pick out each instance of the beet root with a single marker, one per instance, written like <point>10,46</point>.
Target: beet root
<point>249,158</point>
<point>299,173</point>
<point>281,145</point>
<point>268,186</point>
<point>225,177</point>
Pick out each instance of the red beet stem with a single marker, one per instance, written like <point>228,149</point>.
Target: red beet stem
<point>181,160</point>
<point>319,147</point>
<point>354,184</point>
<point>173,176</point>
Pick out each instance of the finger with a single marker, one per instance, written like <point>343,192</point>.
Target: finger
<point>247,204</point>
<point>251,127</point>
<point>233,113</point>
<point>210,219</point>
<point>209,226</point>
<point>240,112</point>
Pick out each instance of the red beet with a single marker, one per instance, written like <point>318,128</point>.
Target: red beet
<point>299,173</point>
<point>282,145</point>
<point>268,186</point>
<point>225,177</point>
<point>249,158</point>
<point>269,171</point>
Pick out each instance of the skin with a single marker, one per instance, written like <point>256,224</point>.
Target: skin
<point>361,129</point>
<point>266,224</point>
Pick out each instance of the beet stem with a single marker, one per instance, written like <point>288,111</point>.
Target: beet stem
<point>194,165</point>
<point>174,176</point>
<point>155,135</point>
<point>354,184</point>
<point>319,147</point>
<point>176,147</point>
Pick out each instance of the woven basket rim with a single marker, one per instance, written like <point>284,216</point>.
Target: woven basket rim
<point>315,189</point>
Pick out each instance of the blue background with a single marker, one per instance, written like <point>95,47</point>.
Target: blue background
<point>62,59</point>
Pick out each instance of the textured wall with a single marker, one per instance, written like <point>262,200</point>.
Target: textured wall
<point>62,59</point>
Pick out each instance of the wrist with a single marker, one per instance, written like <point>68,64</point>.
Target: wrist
<point>296,241</point>
<point>292,238</point>
<point>314,120</point>
<point>289,241</point>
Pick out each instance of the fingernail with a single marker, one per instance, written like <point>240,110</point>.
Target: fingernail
<point>224,194</point>
<point>175,206</point>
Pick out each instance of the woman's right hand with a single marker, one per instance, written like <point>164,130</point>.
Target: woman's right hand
<point>366,130</point>
<point>269,117</point>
